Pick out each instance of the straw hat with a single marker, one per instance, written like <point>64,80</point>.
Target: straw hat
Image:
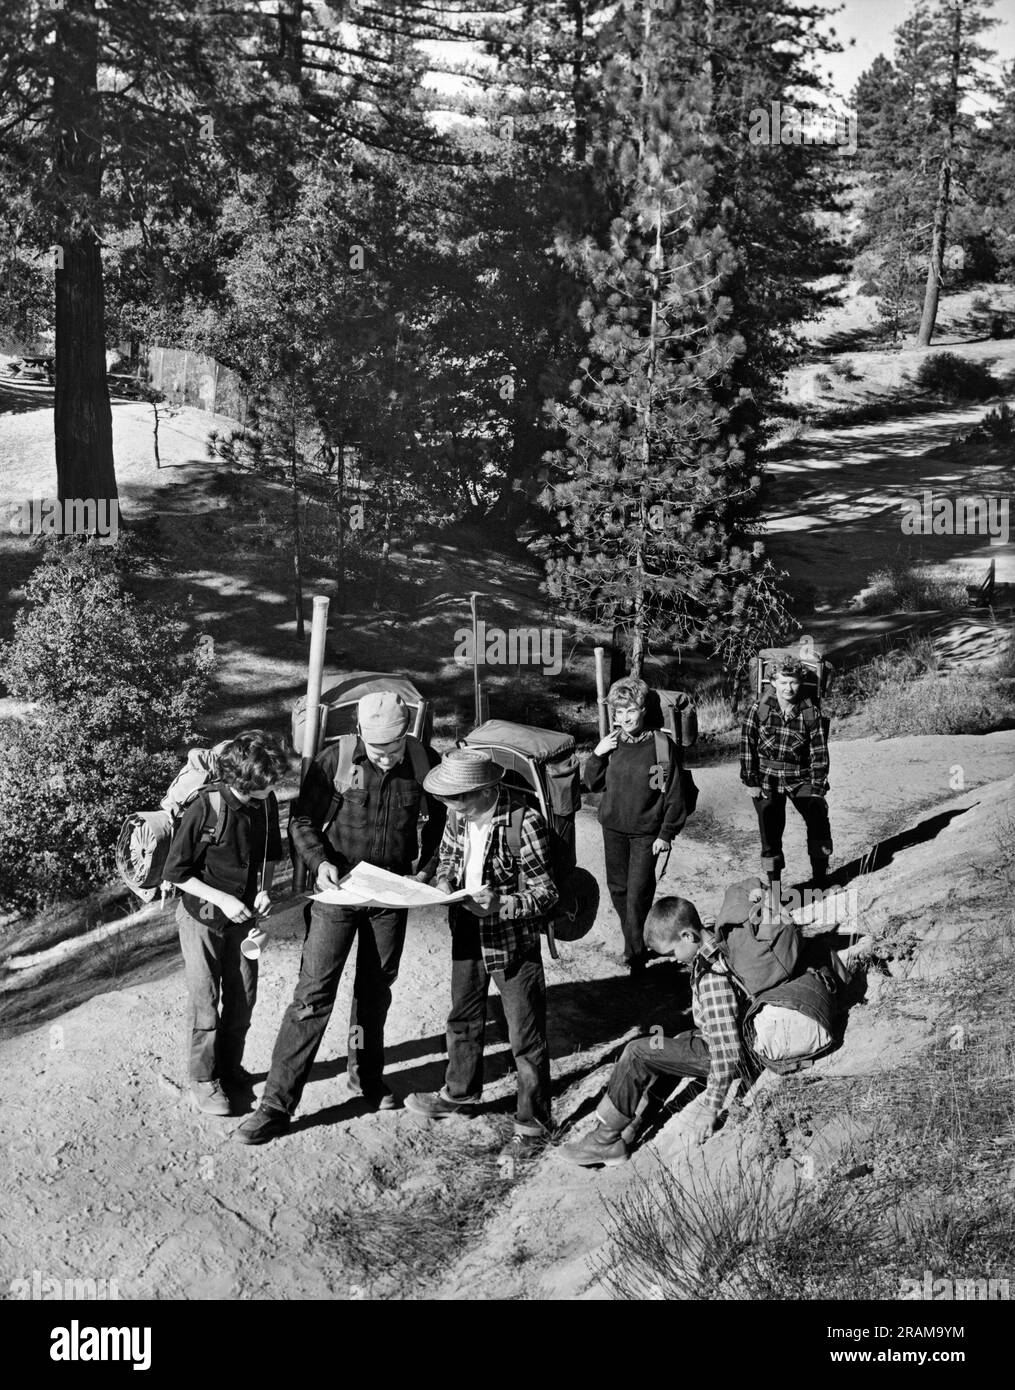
<point>461,771</point>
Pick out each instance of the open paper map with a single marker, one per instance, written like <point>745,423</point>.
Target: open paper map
<point>369,886</point>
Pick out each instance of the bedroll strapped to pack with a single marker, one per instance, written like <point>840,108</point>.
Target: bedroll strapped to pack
<point>142,847</point>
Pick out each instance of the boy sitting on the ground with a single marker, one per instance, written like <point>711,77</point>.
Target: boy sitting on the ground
<point>712,1050</point>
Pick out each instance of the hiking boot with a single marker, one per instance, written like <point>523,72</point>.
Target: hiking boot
<point>603,1146</point>
<point>438,1105</point>
<point>263,1125</point>
<point>209,1098</point>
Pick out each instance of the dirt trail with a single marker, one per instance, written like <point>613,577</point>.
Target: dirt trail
<point>108,1174</point>
<point>834,508</point>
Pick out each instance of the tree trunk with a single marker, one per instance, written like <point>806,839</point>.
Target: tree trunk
<point>341,525</point>
<point>83,423</point>
<point>290,40</point>
<point>944,184</point>
<point>581,128</point>
<point>301,630</point>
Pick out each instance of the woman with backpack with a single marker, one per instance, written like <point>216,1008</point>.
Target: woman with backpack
<point>222,859</point>
<point>641,811</point>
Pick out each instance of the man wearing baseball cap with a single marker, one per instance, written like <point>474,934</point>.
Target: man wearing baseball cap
<point>784,756</point>
<point>380,816</point>
<point>494,935</point>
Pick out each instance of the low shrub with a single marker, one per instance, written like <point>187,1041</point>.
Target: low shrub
<point>117,688</point>
<point>996,427</point>
<point>912,589</point>
<point>951,377</point>
<point>953,703</point>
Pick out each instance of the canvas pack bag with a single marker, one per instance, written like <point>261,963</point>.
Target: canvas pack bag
<point>142,846</point>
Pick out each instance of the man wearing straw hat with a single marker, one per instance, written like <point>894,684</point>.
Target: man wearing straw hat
<point>494,935</point>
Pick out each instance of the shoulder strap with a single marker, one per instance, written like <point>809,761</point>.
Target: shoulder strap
<point>213,822</point>
<point>514,830</point>
<point>342,779</point>
<point>420,770</point>
<point>662,742</point>
<point>514,839</point>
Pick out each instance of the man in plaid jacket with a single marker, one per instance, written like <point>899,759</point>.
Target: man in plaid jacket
<point>494,935</point>
<point>784,754</point>
<point>712,1050</point>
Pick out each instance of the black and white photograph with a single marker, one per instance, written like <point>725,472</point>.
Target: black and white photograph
<point>507,672</point>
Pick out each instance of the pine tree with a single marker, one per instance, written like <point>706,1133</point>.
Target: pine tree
<point>920,145</point>
<point>654,483</point>
<point>106,107</point>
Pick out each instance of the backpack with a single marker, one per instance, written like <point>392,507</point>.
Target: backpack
<point>546,758</point>
<point>142,847</point>
<point>577,903</point>
<point>761,953</point>
<point>818,672</point>
<point>687,783</point>
<point>769,965</point>
<point>674,711</point>
<point>344,779</point>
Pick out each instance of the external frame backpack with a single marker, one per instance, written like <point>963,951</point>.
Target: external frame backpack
<point>541,770</point>
<point>142,847</point>
<point>673,710</point>
<point>343,780</point>
<point>663,748</point>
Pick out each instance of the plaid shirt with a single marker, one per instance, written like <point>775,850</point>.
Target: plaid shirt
<point>526,888</point>
<point>782,752</point>
<point>715,1008</point>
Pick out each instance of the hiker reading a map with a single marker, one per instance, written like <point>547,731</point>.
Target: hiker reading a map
<point>497,848</point>
<point>222,858</point>
<point>641,811</point>
<point>784,754</point>
<point>361,801</point>
<point>711,1051</point>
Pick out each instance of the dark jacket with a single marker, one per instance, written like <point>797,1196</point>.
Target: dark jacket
<point>234,864</point>
<point>376,822</point>
<point>633,802</point>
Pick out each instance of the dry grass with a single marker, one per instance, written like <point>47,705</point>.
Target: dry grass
<point>919,1161</point>
<point>400,1242</point>
<point>913,589</point>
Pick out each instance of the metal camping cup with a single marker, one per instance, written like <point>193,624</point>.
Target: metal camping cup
<point>254,942</point>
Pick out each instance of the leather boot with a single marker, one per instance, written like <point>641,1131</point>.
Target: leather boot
<point>604,1145</point>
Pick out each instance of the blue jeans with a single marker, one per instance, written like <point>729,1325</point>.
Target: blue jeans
<point>216,972</point>
<point>631,879</point>
<point>522,989</point>
<point>326,946</point>
<point>646,1059</point>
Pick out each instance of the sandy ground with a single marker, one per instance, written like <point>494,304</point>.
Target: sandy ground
<point>109,1174</point>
